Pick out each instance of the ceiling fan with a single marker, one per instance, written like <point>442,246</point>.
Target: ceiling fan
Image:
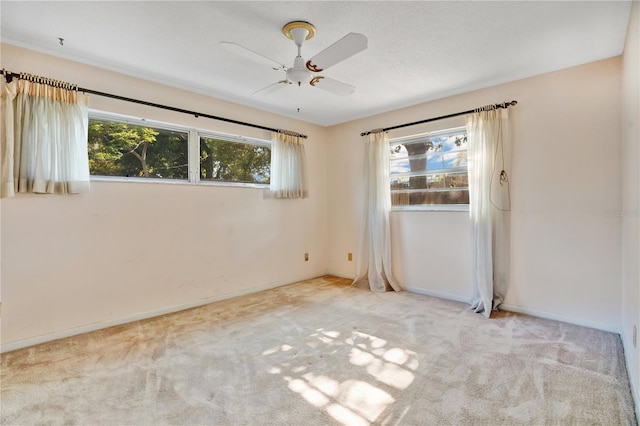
<point>306,72</point>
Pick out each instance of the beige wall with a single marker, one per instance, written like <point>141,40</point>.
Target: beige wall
<point>75,263</point>
<point>631,194</point>
<point>566,175</point>
<point>129,250</point>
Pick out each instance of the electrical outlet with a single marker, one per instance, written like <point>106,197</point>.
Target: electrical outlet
<point>635,336</point>
<point>349,257</point>
<point>306,257</point>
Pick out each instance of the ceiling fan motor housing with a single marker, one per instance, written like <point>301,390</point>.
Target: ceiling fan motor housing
<point>299,73</point>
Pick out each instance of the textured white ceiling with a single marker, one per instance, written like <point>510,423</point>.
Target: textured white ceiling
<point>418,50</point>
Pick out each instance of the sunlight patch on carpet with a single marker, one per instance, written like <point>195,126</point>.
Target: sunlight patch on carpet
<point>350,401</point>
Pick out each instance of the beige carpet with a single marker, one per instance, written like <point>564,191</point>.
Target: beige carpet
<point>320,352</point>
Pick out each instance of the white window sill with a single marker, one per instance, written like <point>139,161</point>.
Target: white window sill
<point>432,208</point>
<point>121,179</point>
<point>237,184</point>
<point>138,180</point>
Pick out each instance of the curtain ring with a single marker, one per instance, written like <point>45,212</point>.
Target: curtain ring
<point>289,133</point>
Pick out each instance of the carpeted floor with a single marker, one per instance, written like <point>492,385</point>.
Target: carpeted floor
<point>320,352</point>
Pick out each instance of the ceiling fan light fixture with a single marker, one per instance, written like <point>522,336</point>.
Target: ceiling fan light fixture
<point>299,75</point>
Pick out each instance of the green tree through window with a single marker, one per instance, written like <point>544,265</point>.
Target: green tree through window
<point>122,149</point>
<point>227,161</point>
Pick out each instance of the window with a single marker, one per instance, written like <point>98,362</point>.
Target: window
<point>430,169</point>
<point>134,148</point>
<point>234,161</point>
<point>131,150</point>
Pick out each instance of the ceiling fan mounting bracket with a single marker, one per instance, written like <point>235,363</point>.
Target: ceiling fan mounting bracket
<point>286,30</point>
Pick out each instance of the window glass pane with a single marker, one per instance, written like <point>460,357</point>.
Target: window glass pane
<point>225,161</point>
<point>456,180</point>
<point>400,199</point>
<point>435,181</point>
<point>398,151</point>
<point>408,198</point>
<point>450,142</point>
<point>448,160</point>
<point>404,165</point>
<point>399,182</point>
<point>128,150</point>
<point>430,169</point>
<point>450,197</point>
<point>412,148</point>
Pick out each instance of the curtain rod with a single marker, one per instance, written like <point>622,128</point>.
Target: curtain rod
<point>494,106</point>
<point>10,75</point>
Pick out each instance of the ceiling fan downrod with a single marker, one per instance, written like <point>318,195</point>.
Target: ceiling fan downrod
<point>299,31</point>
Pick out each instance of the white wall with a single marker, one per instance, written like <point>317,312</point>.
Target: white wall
<point>630,210</point>
<point>126,250</point>
<point>566,175</point>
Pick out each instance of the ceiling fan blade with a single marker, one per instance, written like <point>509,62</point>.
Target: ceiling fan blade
<point>342,49</point>
<point>250,54</point>
<point>271,88</point>
<point>334,86</point>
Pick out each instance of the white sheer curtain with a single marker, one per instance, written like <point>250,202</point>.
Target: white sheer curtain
<point>489,206</point>
<point>374,255</point>
<point>43,141</point>
<point>288,166</point>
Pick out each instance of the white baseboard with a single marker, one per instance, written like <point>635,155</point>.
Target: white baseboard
<point>342,276</point>
<point>519,309</point>
<point>561,318</point>
<point>19,344</point>
<point>439,294</point>
<point>632,381</point>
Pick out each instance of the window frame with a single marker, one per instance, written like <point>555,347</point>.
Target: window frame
<point>420,137</point>
<point>193,150</point>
